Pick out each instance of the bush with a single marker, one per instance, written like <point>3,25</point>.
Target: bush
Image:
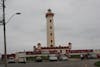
<point>30,58</point>
<point>75,56</point>
<point>97,63</point>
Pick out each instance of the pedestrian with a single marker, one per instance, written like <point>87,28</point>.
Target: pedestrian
<point>81,56</point>
<point>86,56</point>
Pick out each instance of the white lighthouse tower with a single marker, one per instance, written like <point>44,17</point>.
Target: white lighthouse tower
<point>50,29</point>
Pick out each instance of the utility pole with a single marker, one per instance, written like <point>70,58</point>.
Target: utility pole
<point>4,29</point>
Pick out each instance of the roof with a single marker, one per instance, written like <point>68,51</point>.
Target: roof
<point>61,47</point>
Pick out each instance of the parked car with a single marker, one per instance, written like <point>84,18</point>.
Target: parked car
<point>38,59</point>
<point>98,55</point>
<point>22,60</point>
<point>63,58</point>
<point>11,60</point>
<point>92,56</point>
<point>52,57</point>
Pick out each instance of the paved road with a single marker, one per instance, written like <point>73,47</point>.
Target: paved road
<point>70,63</point>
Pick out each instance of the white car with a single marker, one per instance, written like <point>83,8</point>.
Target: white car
<point>63,57</point>
<point>11,60</point>
<point>22,60</point>
<point>53,57</point>
<point>92,56</point>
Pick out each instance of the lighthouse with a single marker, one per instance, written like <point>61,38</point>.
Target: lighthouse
<point>50,28</point>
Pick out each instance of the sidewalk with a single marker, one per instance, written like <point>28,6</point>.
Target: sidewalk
<point>78,59</point>
<point>74,59</point>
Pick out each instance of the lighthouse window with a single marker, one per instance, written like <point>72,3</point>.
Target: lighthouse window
<point>50,20</point>
<point>51,34</point>
<point>51,41</point>
<point>50,27</point>
<point>51,45</point>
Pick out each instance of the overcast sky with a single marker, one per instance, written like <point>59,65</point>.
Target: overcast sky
<point>76,21</point>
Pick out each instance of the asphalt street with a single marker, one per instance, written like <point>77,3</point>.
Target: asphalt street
<point>70,63</point>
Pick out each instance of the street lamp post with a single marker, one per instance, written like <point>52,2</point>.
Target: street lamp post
<point>18,13</point>
<point>4,29</point>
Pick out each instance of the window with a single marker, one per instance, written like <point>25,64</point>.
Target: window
<point>60,51</point>
<point>51,34</point>
<point>50,20</point>
<point>50,27</point>
<point>51,41</point>
<point>51,45</point>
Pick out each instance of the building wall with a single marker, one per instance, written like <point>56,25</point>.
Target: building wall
<point>62,51</point>
<point>20,56</point>
<point>97,51</point>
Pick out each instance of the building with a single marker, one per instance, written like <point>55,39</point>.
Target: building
<point>51,47</point>
<point>57,49</point>
<point>78,52</point>
<point>97,51</point>
<point>8,56</point>
<point>50,28</point>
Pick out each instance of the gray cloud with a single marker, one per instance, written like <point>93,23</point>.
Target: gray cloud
<point>76,21</point>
